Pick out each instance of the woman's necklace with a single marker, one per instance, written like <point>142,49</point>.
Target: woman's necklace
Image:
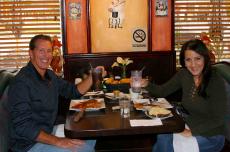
<point>193,91</point>
<point>195,85</point>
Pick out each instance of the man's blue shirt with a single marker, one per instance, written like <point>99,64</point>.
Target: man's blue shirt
<point>33,105</point>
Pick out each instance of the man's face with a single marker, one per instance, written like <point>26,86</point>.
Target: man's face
<point>41,56</point>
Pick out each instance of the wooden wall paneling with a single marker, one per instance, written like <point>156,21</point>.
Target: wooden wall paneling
<point>161,40</point>
<point>160,65</point>
<point>161,28</point>
<point>75,25</point>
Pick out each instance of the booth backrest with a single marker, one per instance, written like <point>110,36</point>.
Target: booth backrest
<point>223,69</point>
<point>5,78</point>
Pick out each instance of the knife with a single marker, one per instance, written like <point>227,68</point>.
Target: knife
<point>79,115</point>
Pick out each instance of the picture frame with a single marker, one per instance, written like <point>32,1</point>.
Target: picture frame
<point>115,27</point>
<point>161,7</point>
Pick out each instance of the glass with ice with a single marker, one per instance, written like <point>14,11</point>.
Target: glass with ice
<point>136,77</point>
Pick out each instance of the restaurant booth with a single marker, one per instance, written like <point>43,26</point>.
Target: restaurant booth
<point>96,32</point>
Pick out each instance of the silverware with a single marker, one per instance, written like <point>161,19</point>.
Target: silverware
<point>79,115</point>
<point>142,69</point>
<point>91,67</point>
<point>153,99</point>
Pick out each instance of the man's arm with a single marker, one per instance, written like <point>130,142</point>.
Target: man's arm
<point>62,142</point>
<point>85,85</point>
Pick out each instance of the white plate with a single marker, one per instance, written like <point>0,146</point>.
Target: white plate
<point>153,117</point>
<point>111,95</point>
<point>93,93</point>
<point>74,102</point>
<point>141,101</point>
<point>163,103</point>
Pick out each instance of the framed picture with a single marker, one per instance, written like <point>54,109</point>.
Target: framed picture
<point>161,7</point>
<point>119,25</point>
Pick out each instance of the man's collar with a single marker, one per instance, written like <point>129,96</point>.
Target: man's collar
<point>37,73</point>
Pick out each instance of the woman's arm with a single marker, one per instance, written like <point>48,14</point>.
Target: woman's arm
<point>167,88</point>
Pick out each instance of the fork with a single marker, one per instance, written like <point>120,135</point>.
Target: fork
<point>153,99</point>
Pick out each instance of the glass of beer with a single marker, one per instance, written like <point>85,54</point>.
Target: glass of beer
<point>97,79</point>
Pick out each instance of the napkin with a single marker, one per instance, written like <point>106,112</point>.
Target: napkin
<point>182,143</point>
<point>145,122</point>
<point>59,130</point>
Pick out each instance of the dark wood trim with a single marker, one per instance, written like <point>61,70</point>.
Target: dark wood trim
<point>63,25</point>
<point>88,26</point>
<point>160,65</point>
<point>172,26</point>
<point>150,27</point>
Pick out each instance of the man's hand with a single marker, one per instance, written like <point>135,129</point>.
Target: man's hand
<point>50,139</point>
<point>104,72</point>
<point>69,143</point>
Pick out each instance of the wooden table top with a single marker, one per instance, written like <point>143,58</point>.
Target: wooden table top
<point>107,122</point>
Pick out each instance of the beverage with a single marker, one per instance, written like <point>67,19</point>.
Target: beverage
<point>133,95</point>
<point>97,79</point>
<point>124,104</point>
<point>136,77</point>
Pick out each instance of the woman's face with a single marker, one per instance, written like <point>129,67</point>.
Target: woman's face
<point>194,62</point>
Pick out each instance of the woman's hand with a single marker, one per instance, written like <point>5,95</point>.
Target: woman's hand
<point>144,83</point>
<point>186,133</point>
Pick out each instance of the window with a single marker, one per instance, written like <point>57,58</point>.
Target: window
<point>209,17</point>
<point>20,21</point>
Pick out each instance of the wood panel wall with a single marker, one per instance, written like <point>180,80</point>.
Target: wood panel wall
<point>159,59</point>
<point>160,65</point>
<point>77,34</point>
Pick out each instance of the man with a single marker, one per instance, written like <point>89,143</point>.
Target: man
<point>33,103</point>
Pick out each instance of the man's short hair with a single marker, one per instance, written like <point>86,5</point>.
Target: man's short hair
<point>32,44</point>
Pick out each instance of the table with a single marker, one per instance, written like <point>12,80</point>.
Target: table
<point>108,127</point>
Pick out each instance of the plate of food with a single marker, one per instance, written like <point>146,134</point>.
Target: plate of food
<point>141,104</point>
<point>162,102</point>
<point>158,112</point>
<point>87,104</point>
<point>116,94</point>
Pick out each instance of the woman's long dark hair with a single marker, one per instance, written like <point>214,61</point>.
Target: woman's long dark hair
<point>199,47</point>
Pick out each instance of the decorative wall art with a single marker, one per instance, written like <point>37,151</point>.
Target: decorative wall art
<point>118,25</point>
<point>75,10</point>
<point>116,13</point>
<point>161,7</point>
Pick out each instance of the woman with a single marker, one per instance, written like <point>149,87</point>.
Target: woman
<point>203,97</point>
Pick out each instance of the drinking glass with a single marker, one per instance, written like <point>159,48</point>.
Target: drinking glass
<point>124,104</point>
<point>136,77</point>
<point>97,78</point>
